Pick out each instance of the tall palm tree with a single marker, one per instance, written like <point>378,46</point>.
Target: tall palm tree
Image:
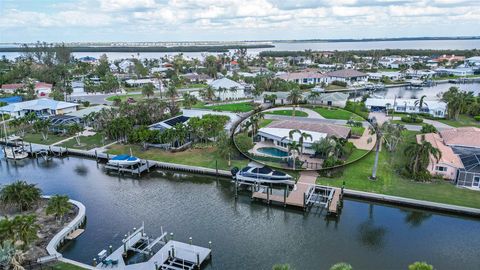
<point>420,154</point>
<point>420,103</point>
<point>76,129</point>
<point>43,126</point>
<point>208,93</point>
<point>294,97</point>
<point>58,206</point>
<point>293,149</point>
<point>188,100</point>
<point>224,146</point>
<point>302,136</point>
<point>314,95</point>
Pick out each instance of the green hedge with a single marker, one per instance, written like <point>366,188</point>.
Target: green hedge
<point>411,119</point>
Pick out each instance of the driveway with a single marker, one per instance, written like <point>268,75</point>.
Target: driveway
<point>311,113</point>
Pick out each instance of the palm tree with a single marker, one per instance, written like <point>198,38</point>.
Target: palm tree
<point>323,147</point>
<point>224,146</point>
<point>43,126</point>
<point>20,194</point>
<point>420,154</point>
<point>148,90</point>
<point>341,266</point>
<point>302,136</point>
<point>26,228</point>
<point>314,95</point>
<point>420,103</point>
<point>188,100</point>
<point>76,129</point>
<point>282,267</point>
<point>58,206</point>
<point>294,97</point>
<point>208,93</point>
<point>171,93</point>
<point>293,148</point>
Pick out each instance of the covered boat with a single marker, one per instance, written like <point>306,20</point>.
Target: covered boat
<point>123,160</point>
<point>15,153</point>
<point>261,175</point>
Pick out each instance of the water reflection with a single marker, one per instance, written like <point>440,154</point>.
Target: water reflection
<point>369,234</point>
<point>81,170</point>
<point>416,218</point>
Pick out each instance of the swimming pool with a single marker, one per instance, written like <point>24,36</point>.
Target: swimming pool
<point>272,151</point>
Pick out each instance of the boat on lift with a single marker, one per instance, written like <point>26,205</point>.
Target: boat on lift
<point>261,175</point>
<point>12,152</point>
<point>124,160</point>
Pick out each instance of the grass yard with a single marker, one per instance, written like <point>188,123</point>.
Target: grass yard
<point>336,113</point>
<point>332,87</point>
<point>87,142</point>
<point>193,85</point>
<point>358,131</point>
<point>356,176</point>
<point>204,157</point>
<point>265,122</point>
<point>232,107</point>
<point>357,153</point>
<point>463,121</point>
<point>288,113</point>
<point>66,266</point>
<point>37,138</point>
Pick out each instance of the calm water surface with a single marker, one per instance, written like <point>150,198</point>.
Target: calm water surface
<point>301,46</point>
<point>248,235</point>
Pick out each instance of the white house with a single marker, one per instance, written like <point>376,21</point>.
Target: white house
<point>126,65</point>
<point>336,99</point>
<point>473,61</point>
<point>141,82</point>
<point>227,89</point>
<point>459,71</point>
<point>42,106</point>
<point>310,77</point>
<point>435,108</point>
<point>347,75</point>
<point>392,75</point>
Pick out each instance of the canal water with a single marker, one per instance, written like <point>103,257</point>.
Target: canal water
<point>245,234</point>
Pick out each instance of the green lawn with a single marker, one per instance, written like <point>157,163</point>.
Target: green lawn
<point>356,176</point>
<point>288,113</point>
<point>194,85</point>
<point>357,153</point>
<point>336,113</point>
<point>37,138</point>
<point>463,121</point>
<point>87,142</point>
<point>357,130</point>
<point>405,123</point>
<point>265,122</point>
<point>204,157</point>
<point>331,87</point>
<point>66,266</point>
<point>232,107</point>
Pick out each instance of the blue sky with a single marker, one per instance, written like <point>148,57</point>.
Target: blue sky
<point>180,20</point>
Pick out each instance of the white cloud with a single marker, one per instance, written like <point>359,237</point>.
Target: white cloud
<point>275,17</point>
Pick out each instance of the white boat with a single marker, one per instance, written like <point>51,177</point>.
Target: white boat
<point>123,160</point>
<point>15,153</point>
<point>261,175</point>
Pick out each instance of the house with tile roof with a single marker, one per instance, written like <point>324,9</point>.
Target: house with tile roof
<point>460,155</point>
<point>349,76</point>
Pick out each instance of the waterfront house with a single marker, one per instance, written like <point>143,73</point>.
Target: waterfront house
<point>41,107</point>
<point>449,59</point>
<point>304,77</point>
<point>336,99</point>
<point>197,78</point>
<point>41,88</point>
<point>142,82</point>
<point>391,75</point>
<point>435,108</point>
<point>473,61</point>
<point>460,160</point>
<point>277,133</point>
<point>227,89</point>
<point>347,75</point>
<point>459,71</point>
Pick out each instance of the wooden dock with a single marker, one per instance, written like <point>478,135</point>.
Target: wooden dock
<point>74,234</point>
<point>305,194</point>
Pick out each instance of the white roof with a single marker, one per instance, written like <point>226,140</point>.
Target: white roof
<point>381,102</point>
<point>280,133</point>
<point>88,110</point>
<point>38,104</point>
<point>384,73</point>
<point>474,58</point>
<point>139,81</point>
<point>226,83</point>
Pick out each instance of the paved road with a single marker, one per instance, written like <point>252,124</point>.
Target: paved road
<point>94,98</point>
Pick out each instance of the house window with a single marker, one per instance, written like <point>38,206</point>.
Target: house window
<point>476,181</point>
<point>441,169</point>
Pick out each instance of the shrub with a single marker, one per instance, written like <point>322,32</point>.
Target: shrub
<point>5,116</point>
<point>477,118</point>
<point>339,83</point>
<point>332,161</point>
<point>243,142</point>
<point>420,266</point>
<point>411,119</point>
<point>427,128</point>
<point>86,103</point>
<point>306,86</point>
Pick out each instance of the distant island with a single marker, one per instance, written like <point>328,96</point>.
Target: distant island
<point>374,39</point>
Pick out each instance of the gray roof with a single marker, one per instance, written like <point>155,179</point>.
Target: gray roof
<point>38,104</point>
<point>88,110</point>
<point>226,83</point>
<point>346,73</point>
